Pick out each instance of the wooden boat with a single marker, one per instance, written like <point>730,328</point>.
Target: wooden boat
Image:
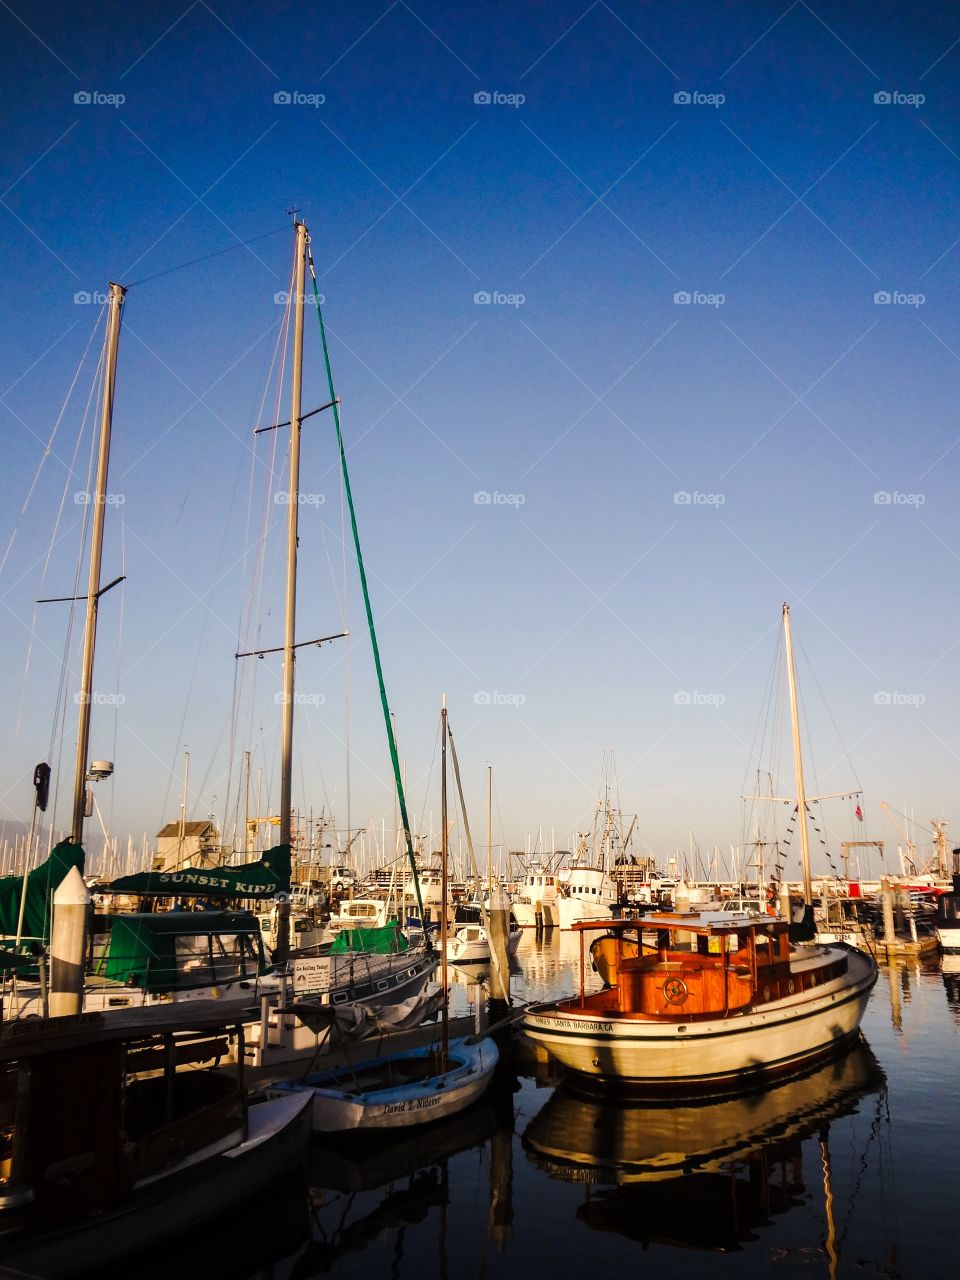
<point>108,1147</point>
<point>396,1091</point>
<point>716,999</point>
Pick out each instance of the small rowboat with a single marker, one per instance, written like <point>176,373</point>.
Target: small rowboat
<point>402,1089</point>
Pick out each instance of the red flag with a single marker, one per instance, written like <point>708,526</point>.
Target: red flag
<point>859,813</point>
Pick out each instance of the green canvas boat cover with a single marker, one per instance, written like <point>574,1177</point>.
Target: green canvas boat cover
<point>176,950</point>
<point>384,941</point>
<point>41,886</point>
<point>263,879</point>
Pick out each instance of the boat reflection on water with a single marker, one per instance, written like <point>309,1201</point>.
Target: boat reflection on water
<point>904,976</point>
<point>367,1188</point>
<point>226,1245</point>
<point>368,1163</point>
<point>702,1175</point>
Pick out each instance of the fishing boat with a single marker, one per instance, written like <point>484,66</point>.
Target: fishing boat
<point>586,893</point>
<point>587,890</point>
<point>412,1087</point>
<point>706,1000</point>
<point>537,898</point>
<point>118,1134</point>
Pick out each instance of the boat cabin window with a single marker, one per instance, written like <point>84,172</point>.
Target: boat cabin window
<point>234,956</point>
<point>203,958</point>
<point>194,966</point>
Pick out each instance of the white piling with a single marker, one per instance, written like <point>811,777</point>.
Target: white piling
<point>71,903</point>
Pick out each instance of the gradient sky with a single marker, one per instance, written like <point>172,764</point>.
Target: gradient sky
<point>592,603</point>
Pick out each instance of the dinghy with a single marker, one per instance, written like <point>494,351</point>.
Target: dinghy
<point>411,1088</point>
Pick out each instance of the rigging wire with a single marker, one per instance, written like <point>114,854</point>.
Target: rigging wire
<point>217,253</point>
<point>836,729</point>
<point>247,629</point>
<point>119,659</point>
<point>58,730</point>
<point>769,710</point>
<point>55,532</point>
<point>48,447</point>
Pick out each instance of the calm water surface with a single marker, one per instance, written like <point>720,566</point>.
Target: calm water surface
<point>853,1170</point>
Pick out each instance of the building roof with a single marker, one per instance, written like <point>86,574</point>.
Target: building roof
<point>189,829</point>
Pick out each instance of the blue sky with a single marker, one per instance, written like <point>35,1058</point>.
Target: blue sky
<point>598,609</point>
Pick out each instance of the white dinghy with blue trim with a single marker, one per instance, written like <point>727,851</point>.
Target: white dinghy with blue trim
<point>402,1089</point>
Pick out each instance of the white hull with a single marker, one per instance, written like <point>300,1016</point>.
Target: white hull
<point>949,940</point>
<point>468,950</point>
<point>343,1108</point>
<point>469,953</point>
<point>102,997</point>
<point>329,1116</point>
<point>667,1053</point>
<point>526,914</point>
<point>573,909</point>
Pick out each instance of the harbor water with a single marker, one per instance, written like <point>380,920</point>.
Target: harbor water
<point>850,1170</point>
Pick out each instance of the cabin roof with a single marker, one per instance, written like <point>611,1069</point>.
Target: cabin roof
<point>690,922</point>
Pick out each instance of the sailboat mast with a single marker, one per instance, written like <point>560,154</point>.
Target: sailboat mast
<point>444,852</point>
<point>183,809</point>
<point>798,761</point>
<point>114,305</point>
<point>289,630</point>
<point>490,832</point>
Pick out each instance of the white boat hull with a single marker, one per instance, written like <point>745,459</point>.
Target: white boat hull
<point>570,910</point>
<point>526,914</point>
<point>461,951</point>
<point>666,1053</point>
<point>335,1110</point>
